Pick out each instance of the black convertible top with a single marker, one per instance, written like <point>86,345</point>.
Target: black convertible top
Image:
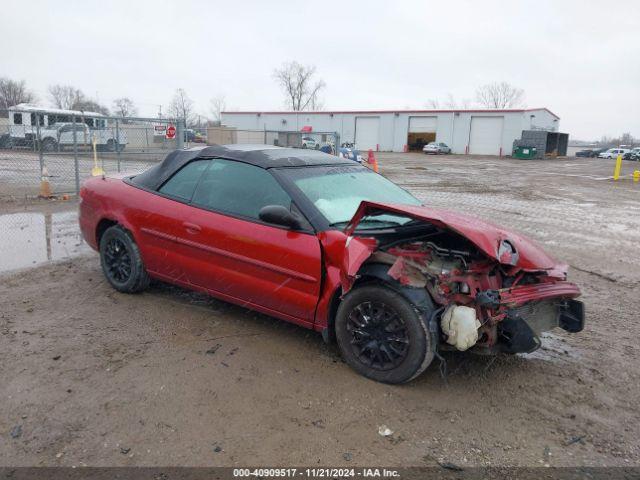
<point>264,156</point>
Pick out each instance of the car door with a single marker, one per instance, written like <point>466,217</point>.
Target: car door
<point>243,259</point>
<point>163,220</point>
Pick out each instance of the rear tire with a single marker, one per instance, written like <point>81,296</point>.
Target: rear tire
<point>382,336</point>
<point>121,261</point>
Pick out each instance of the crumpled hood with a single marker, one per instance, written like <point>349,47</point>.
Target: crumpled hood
<point>484,235</point>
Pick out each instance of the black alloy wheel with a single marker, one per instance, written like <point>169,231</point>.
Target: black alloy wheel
<point>382,335</point>
<point>379,336</point>
<point>117,260</point>
<point>121,261</point>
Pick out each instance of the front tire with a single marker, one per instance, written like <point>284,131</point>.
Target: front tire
<point>382,336</point>
<point>121,261</point>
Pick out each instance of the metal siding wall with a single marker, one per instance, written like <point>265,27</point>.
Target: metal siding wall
<point>451,129</point>
<point>543,121</point>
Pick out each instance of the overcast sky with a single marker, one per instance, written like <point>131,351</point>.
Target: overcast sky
<point>580,59</point>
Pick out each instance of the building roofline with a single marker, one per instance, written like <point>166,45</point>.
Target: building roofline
<point>369,112</point>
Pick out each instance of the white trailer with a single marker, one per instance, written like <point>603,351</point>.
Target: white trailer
<point>55,128</point>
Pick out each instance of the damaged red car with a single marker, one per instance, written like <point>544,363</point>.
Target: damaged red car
<point>322,242</point>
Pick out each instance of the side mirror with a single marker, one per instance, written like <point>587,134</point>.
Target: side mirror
<point>279,215</point>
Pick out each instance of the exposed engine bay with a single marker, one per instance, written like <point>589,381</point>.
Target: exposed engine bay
<point>485,303</point>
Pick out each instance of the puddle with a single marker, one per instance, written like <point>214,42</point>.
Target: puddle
<point>554,349</point>
<point>29,239</point>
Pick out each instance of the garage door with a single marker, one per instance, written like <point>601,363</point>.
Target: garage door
<point>422,130</point>
<point>485,137</point>
<point>423,124</point>
<point>367,132</point>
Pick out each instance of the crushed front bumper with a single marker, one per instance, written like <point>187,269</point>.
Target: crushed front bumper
<point>520,331</point>
<point>529,310</point>
<point>516,296</point>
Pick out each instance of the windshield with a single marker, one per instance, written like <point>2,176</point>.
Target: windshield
<point>337,192</point>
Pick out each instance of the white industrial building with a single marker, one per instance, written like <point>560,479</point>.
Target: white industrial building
<point>484,132</point>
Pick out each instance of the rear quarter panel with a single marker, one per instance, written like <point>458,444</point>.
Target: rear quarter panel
<point>108,199</point>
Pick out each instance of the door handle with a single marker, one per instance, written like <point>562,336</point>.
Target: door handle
<point>192,227</point>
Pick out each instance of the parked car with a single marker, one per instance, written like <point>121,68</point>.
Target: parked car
<point>613,152</point>
<point>327,147</point>
<point>309,142</point>
<point>327,244</point>
<point>589,152</point>
<point>60,136</point>
<point>189,135</point>
<point>633,154</point>
<point>351,154</point>
<point>436,148</point>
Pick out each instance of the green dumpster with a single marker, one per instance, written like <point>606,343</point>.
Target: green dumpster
<point>525,153</point>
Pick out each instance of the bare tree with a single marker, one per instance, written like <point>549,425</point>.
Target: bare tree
<point>218,105</point>
<point>627,139</point>
<point>88,105</point>
<point>433,103</point>
<point>68,97</point>
<point>65,96</point>
<point>500,95</point>
<point>13,92</point>
<point>124,107</point>
<point>300,89</point>
<point>181,106</point>
<point>606,140</point>
<point>449,102</point>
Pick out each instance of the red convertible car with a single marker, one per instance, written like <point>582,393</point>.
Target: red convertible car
<point>328,244</point>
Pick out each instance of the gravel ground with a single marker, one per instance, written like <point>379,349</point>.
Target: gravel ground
<point>93,377</point>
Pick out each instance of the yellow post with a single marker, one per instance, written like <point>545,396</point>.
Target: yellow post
<point>636,176</point>
<point>616,171</point>
<point>96,171</point>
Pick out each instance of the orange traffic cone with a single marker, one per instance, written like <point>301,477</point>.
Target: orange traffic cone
<point>371,160</point>
<point>45,186</point>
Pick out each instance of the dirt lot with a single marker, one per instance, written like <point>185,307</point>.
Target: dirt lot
<point>93,377</point>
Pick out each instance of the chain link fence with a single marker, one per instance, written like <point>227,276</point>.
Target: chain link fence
<point>63,146</point>
<point>323,141</point>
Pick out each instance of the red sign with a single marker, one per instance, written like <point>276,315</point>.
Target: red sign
<point>171,132</point>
